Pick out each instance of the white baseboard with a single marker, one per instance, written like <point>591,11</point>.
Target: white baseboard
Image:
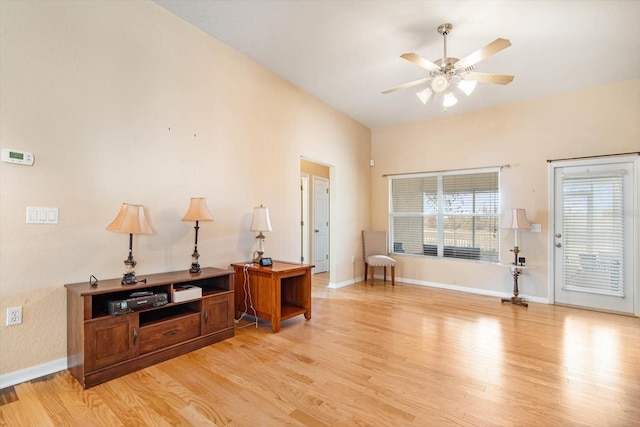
<point>469,290</point>
<point>466,289</point>
<point>28,374</point>
<point>345,283</point>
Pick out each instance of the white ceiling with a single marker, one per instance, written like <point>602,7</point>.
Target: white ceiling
<point>346,52</point>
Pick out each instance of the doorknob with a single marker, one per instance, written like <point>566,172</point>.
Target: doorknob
<point>317,231</point>
<point>558,245</point>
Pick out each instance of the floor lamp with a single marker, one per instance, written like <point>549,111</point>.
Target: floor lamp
<point>519,222</point>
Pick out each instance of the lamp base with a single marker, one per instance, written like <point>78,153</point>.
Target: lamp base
<point>258,257</point>
<point>129,278</point>
<point>516,301</point>
<point>195,268</point>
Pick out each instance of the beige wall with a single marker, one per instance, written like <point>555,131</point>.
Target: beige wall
<point>591,122</point>
<point>122,101</point>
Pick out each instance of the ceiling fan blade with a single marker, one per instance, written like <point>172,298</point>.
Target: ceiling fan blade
<point>406,85</point>
<point>499,79</point>
<point>420,61</point>
<point>483,53</point>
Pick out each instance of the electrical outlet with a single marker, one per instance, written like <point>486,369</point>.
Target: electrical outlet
<point>353,258</point>
<point>14,316</point>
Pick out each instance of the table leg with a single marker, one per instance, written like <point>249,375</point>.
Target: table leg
<point>275,325</point>
<point>307,295</point>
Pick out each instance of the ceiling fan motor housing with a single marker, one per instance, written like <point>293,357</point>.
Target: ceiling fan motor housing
<point>439,83</point>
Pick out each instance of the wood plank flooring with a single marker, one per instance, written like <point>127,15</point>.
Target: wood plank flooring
<point>374,356</point>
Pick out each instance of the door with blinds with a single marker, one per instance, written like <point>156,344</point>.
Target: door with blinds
<point>594,231</point>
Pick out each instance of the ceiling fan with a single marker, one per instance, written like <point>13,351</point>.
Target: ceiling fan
<point>452,75</point>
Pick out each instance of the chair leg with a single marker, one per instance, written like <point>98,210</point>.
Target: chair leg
<point>393,275</point>
<point>366,270</point>
<point>371,268</point>
<point>385,274</point>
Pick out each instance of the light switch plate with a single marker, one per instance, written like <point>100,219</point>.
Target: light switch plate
<point>42,215</point>
<point>536,228</point>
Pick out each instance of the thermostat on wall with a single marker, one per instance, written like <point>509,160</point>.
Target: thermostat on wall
<point>19,157</point>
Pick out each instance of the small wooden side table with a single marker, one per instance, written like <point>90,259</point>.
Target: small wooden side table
<point>278,292</point>
<point>516,271</point>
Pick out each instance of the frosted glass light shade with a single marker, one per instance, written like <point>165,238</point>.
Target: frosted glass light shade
<point>131,220</point>
<point>519,220</point>
<point>424,95</point>
<point>467,86</point>
<point>260,221</point>
<point>449,100</point>
<point>198,210</point>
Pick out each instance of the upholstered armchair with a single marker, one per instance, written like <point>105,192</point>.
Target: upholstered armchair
<point>374,244</point>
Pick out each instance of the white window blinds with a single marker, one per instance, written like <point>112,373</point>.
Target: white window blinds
<point>593,233</point>
<point>448,214</point>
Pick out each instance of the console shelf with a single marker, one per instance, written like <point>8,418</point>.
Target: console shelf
<point>101,347</point>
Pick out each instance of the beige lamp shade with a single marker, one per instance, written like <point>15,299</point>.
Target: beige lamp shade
<point>519,220</point>
<point>131,219</point>
<point>260,221</point>
<point>198,210</point>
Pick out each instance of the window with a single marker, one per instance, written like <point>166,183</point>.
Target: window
<point>446,214</point>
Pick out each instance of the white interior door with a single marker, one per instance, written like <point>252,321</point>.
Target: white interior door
<point>594,233</point>
<point>304,214</point>
<point>320,224</point>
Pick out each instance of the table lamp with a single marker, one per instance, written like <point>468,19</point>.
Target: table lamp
<point>198,211</point>
<point>519,222</point>
<point>131,219</point>
<point>260,223</point>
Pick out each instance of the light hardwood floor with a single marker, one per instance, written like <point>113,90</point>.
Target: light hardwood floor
<point>374,356</point>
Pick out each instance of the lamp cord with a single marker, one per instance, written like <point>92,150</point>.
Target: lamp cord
<point>247,295</point>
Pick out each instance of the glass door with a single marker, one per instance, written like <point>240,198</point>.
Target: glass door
<point>594,234</point>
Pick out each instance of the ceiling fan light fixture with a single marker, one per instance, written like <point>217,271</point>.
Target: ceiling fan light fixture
<point>439,83</point>
<point>449,75</point>
<point>449,100</point>
<point>424,95</point>
<point>467,86</point>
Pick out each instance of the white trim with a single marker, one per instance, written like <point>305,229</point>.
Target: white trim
<point>456,288</point>
<point>304,182</point>
<point>28,374</point>
<point>345,283</point>
<point>468,290</point>
<point>636,237</point>
<point>551,271</point>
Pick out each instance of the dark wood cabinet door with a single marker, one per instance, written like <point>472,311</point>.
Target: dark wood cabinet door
<point>110,340</point>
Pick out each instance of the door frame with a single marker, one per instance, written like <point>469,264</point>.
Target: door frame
<point>333,203</point>
<point>635,208</point>
<point>304,222</point>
